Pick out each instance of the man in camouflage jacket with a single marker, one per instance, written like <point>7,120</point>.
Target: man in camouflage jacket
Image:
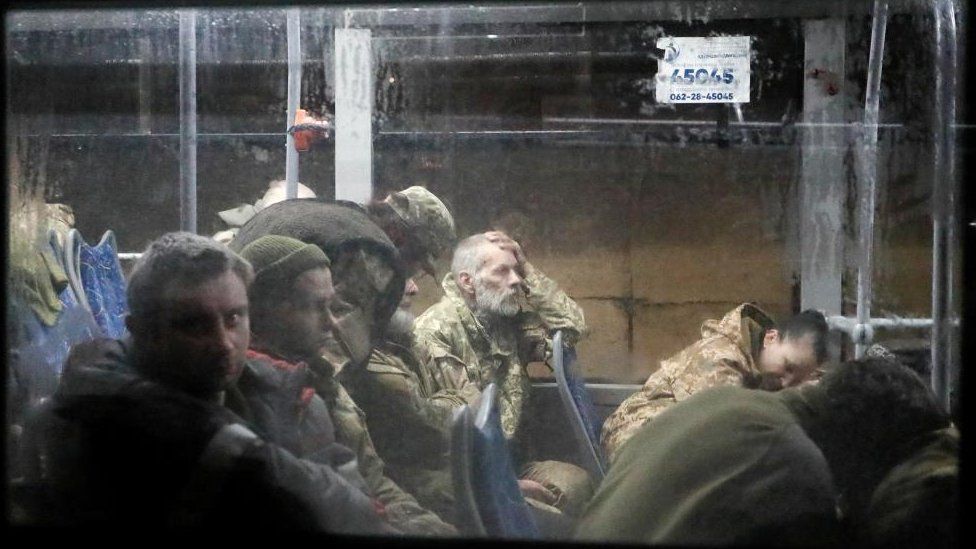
<point>497,315</point>
<point>410,421</point>
<point>743,348</point>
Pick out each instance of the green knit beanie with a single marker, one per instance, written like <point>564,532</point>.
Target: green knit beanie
<point>282,258</point>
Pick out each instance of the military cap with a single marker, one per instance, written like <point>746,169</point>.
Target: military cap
<point>428,220</point>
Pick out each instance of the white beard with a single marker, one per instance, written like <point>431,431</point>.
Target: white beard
<point>495,302</point>
<point>400,328</point>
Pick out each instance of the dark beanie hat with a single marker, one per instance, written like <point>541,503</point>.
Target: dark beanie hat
<point>282,258</point>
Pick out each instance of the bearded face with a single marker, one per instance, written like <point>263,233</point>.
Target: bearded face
<point>495,300</point>
<point>400,327</point>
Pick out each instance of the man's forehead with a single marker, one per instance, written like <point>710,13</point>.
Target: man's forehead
<point>492,254</point>
<point>226,289</point>
<point>318,280</point>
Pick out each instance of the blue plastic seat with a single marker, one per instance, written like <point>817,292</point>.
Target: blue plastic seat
<point>100,275</point>
<point>462,472</point>
<point>579,407</point>
<point>486,487</point>
<point>40,359</point>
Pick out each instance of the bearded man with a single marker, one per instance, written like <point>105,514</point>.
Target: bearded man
<point>481,332</point>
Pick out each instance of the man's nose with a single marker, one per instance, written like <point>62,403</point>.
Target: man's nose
<point>411,288</point>
<point>514,279</point>
<point>226,338</point>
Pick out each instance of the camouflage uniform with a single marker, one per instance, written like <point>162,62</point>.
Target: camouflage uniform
<point>463,353</point>
<point>409,422</point>
<point>430,222</point>
<point>725,355</point>
<point>401,509</point>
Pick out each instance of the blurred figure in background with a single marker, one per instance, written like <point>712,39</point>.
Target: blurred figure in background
<point>235,218</point>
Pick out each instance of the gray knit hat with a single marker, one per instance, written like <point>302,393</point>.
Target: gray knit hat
<point>281,258</point>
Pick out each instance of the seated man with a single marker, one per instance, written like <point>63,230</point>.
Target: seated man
<point>477,335</point>
<point>136,435</point>
<point>372,250</point>
<point>410,421</point>
<point>734,466</point>
<point>745,348</point>
<point>291,301</point>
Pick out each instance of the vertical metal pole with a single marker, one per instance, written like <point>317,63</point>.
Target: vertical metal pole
<point>945,218</point>
<point>188,121</point>
<point>294,97</point>
<point>823,179</point>
<point>145,85</point>
<point>867,154</point>
<point>354,115</point>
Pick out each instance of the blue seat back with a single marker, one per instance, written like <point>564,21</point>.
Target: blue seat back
<point>578,406</point>
<point>467,517</point>
<point>101,277</point>
<point>40,360</point>
<point>502,509</point>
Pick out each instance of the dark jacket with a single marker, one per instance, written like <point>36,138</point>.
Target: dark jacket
<point>115,449</point>
<point>277,397</point>
<point>728,466</point>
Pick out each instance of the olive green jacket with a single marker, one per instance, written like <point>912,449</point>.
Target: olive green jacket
<point>409,422</point>
<point>401,509</point>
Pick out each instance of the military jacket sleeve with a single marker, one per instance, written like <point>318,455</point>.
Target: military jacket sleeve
<point>708,363</point>
<point>556,309</point>
<point>401,509</point>
<point>401,415</point>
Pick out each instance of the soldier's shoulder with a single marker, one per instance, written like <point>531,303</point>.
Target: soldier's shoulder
<point>386,363</point>
<point>441,315</point>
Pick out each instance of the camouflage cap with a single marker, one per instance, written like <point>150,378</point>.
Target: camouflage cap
<point>428,220</point>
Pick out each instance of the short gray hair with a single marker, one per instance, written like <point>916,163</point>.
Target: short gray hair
<point>183,258</point>
<point>468,256</point>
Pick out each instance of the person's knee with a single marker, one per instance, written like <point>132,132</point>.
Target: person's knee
<point>571,484</point>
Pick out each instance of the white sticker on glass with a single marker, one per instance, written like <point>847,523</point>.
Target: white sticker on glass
<point>703,70</point>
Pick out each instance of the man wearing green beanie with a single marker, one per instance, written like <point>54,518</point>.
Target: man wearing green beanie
<point>291,390</point>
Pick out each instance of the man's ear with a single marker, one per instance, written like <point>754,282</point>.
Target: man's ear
<point>465,282</point>
<point>771,336</point>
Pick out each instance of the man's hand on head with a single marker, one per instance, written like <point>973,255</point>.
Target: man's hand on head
<point>506,243</point>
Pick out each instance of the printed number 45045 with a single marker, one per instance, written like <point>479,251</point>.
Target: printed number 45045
<point>702,76</point>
